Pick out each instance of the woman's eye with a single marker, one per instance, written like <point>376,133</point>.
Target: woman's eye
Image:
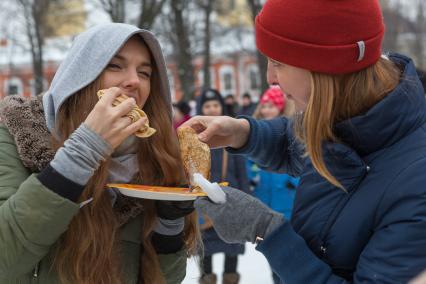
<point>145,74</point>
<point>114,66</point>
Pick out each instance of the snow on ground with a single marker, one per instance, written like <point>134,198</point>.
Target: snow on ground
<point>252,266</point>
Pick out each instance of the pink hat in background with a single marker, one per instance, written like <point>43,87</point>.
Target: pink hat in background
<point>275,96</point>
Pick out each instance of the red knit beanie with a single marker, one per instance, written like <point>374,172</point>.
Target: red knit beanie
<point>275,96</point>
<point>326,36</point>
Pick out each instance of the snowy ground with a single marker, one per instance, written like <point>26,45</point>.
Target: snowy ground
<point>252,266</point>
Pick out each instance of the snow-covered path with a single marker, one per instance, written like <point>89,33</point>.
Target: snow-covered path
<point>252,266</point>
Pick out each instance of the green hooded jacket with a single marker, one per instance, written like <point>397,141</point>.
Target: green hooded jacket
<point>32,218</point>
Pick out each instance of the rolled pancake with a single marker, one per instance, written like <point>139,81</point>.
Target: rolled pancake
<point>135,114</point>
<point>195,154</point>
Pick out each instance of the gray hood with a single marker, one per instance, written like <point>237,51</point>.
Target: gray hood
<point>89,55</point>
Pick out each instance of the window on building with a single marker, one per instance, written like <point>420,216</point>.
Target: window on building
<point>227,79</point>
<point>254,79</point>
<point>14,86</point>
<point>201,78</point>
<point>212,78</point>
<point>13,90</point>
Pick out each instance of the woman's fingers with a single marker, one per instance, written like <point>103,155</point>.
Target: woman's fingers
<point>198,123</point>
<point>205,126</point>
<point>125,107</point>
<point>110,95</point>
<point>109,120</point>
<point>216,131</point>
<point>134,126</point>
<point>213,129</point>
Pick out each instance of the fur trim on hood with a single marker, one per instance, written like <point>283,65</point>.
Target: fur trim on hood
<point>24,118</point>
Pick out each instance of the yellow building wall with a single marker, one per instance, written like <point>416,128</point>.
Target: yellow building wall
<point>234,13</point>
<point>66,18</point>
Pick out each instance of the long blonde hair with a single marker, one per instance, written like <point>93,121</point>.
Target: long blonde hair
<point>337,98</point>
<point>88,251</point>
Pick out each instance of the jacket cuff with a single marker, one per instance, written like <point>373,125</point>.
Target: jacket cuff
<point>249,145</point>
<point>59,184</point>
<point>167,244</point>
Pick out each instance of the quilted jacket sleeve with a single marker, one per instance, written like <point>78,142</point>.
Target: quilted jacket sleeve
<point>32,217</point>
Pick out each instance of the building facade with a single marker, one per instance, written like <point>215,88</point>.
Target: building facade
<point>230,74</point>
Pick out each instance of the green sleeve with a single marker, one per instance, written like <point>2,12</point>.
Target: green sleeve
<point>32,217</point>
<point>173,266</point>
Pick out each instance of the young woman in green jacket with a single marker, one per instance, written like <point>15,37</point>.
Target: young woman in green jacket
<point>58,221</point>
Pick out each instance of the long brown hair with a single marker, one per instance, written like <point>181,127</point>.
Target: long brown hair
<point>87,251</point>
<point>335,98</point>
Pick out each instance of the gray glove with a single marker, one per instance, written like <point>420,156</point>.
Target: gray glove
<point>242,218</point>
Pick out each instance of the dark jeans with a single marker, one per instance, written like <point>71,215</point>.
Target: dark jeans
<point>230,264</point>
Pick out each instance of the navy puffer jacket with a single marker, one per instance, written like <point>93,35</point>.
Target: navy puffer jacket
<point>376,231</point>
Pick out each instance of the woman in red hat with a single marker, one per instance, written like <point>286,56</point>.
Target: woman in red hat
<point>358,143</point>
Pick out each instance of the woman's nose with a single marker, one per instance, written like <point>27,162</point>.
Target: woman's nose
<point>271,75</point>
<point>132,78</point>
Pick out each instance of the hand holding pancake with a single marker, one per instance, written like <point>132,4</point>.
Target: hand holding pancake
<point>110,122</point>
<point>135,114</point>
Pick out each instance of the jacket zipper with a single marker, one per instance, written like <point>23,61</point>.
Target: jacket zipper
<point>36,271</point>
<point>331,221</point>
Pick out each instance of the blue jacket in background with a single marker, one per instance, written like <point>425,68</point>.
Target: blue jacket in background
<point>375,232</point>
<point>276,190</point>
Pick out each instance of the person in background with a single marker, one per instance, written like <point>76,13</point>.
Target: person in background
<point>224,168</point>
<point>276,190</point>
<point>231,105</point>
<point>247,105</point>
<point>181,113</point>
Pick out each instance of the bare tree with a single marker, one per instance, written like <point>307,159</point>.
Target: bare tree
<point>182,52</point>
<point>150,10</point>
<point>262,63</point>
<point>207,7</point>
<point>35,12</point>
<point>393,21</point>
<point>116,9</point>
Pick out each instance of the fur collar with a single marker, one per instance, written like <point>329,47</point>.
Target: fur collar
<point>24,118</point>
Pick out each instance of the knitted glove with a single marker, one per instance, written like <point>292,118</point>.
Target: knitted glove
<point>242,218</point>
